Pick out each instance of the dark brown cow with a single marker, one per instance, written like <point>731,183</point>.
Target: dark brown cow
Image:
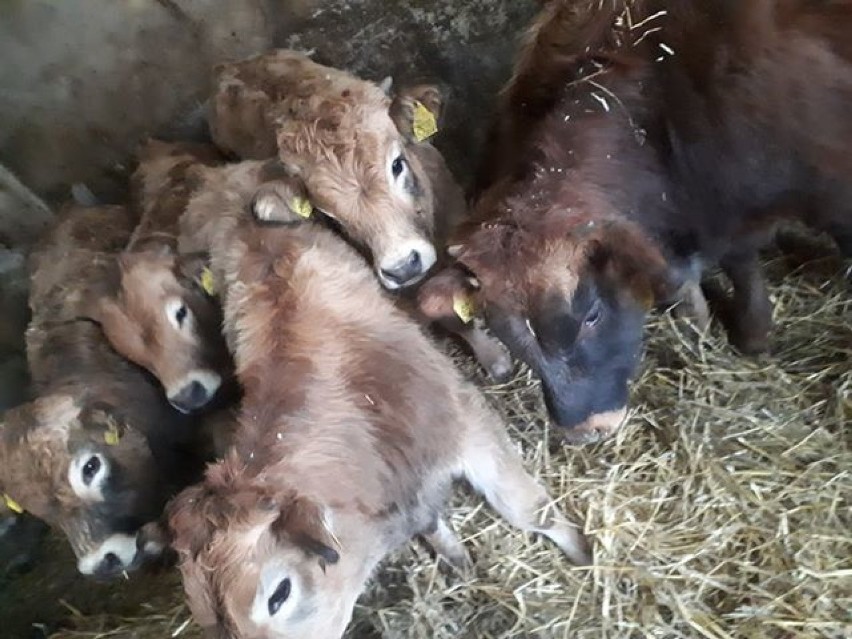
<point>157,313</point>
<point>100,450</point>
<point>665,149</point>
<point>340,385</point>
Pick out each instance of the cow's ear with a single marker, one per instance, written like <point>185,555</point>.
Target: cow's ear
<point>416,111</point>
<point>283,200</point>
<point>195,267</point>
<point>623,253</point>
<point>305,524</point>
<point>450,296</point>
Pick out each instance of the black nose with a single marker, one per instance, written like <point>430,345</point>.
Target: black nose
<point>110,566</point>
<point>406,270</point>
<point>190,397</point>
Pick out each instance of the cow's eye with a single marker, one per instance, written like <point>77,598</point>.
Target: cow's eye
<point>593,317</point>
<point>91,469</point>
<point>177,312</point>
<point>398,166</point>
<point>281,594</point>
<point>180,314</point>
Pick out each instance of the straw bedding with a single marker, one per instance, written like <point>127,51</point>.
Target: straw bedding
<point>722,509</point>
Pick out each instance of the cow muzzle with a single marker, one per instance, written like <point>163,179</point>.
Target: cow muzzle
<point>597,427</point>
<point>195,391</point>
<point>407,265</point>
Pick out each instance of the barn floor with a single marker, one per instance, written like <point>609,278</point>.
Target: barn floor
<point>722,510</point>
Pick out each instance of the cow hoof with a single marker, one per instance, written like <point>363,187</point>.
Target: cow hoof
<point>750,345</point>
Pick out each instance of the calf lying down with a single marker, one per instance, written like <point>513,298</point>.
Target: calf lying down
<point>100,450</point>
<point>362,156</point>
<point>352,430</point>
<point>156,313</point>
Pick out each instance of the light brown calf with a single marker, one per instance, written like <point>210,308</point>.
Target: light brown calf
<point>341,388</point>
<point>342,137</point>
<point>100,450</point>
<point>157,313</point>
<point>363,159</point>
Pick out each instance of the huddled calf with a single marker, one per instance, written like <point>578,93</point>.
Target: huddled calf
<point>362,157</point>
<point>100,450</point>
<point>634,156</point>
<point>157,313</point>
<point>340,388</point>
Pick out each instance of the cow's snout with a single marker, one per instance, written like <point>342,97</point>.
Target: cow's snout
<point>115,555</point>
<point>408,267</point>
<point>195,391</point>
<point>596,428</point>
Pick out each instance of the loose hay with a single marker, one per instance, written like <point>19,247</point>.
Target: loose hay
<point>721,510</point>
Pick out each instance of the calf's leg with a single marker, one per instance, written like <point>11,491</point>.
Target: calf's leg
<point>489,352</point>
<point>494,469</point>
<point>750,318</point>
<point>445,542</point>
<point>693,305</point>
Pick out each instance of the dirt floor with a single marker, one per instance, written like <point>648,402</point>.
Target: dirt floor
<point>722,510</point>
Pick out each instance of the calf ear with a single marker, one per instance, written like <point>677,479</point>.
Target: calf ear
<point>417,110</point>
<point>304,523</point>
<point>283,200</point>
<point>623,253</point>
<point>449,297</point>
<point>195,267</point>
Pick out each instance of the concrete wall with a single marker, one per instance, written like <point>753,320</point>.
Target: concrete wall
<point>82,80</point>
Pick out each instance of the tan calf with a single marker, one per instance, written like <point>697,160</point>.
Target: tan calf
<point>341,389</point>
<point>338,134</point>
<point>100,450</point>
<point>157,313</point>
<point>363,158</point>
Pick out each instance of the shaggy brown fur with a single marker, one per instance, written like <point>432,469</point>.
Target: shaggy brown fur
<point>664,146</point>
<point>338,383</point>
<point>91,403</point>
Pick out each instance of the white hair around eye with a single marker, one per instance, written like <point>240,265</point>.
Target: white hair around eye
<point>179,314</point>
<point>276,597</point>
<point>397,171</point>
<point>88,474</point>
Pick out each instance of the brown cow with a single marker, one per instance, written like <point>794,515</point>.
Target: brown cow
<point>364,160</point>
<point>99,451</point>
<point>157,313</point>
<point>662,152</point>
<point>340,386</point>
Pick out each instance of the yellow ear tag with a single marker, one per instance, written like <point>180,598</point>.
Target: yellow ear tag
<point>302,206</point>
<point>12,505</point>
<point>207,282</point>
<point>464,308</point>
<point>425,125</point>
<point>111,435</point>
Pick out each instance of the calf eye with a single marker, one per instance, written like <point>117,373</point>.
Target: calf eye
<point>90,469</point>
<point>282,592</point>
<point>398,166</point>
<point>594,316</point>
<point>180,315</point>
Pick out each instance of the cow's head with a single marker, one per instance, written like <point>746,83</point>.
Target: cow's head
<point>570,304</point>
<point>86,471</point>
<point>352,149</point>
<point>258,563</point>
<point>161,315</point>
